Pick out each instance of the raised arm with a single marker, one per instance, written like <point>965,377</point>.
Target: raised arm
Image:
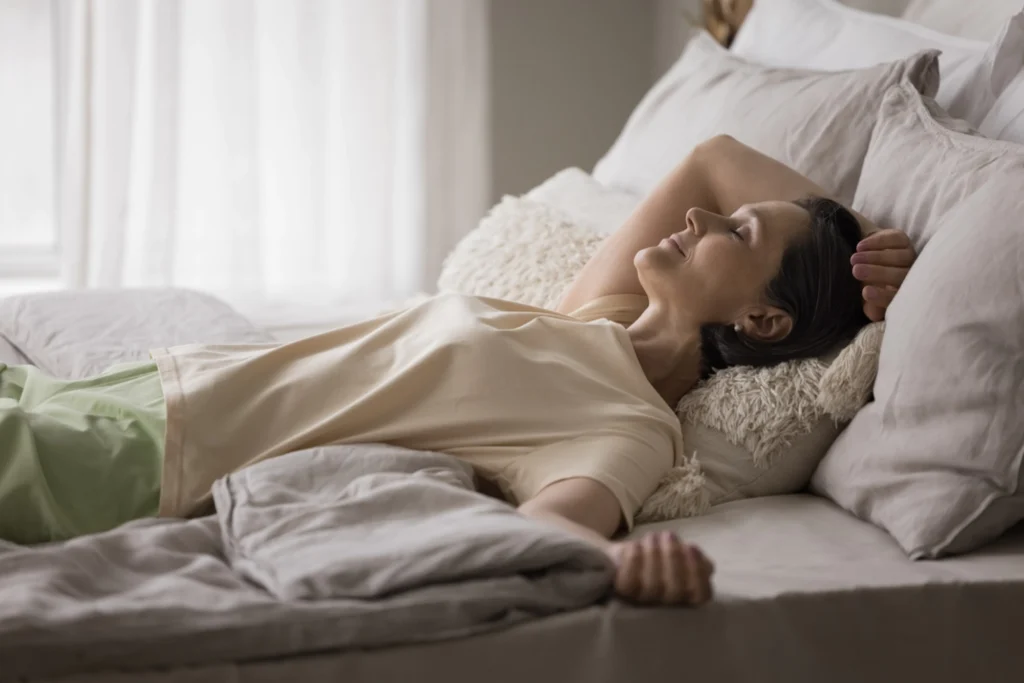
<point>720,175</point>
<point>739,175</point>
<point>657,568</point>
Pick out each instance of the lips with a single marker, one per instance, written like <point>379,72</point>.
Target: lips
<point>675,239</point>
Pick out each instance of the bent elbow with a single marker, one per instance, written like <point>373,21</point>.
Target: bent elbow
<point>716,144</point>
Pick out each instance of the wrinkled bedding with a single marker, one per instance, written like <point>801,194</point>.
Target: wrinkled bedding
<point>72,334</point>
<point>339,547</point>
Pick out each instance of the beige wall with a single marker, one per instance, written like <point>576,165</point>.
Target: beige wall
<point>674,22</point>
<point>565,75</point>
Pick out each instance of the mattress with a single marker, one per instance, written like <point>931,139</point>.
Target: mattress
<point>805,592</point>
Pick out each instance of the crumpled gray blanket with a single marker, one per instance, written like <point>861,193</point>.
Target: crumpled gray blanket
<point>335,547</point>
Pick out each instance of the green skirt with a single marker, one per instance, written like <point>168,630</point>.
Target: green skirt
<point>78,456</point>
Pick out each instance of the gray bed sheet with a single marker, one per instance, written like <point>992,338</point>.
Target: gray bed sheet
<point>805,592</point>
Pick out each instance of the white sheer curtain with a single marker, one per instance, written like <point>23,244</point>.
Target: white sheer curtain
<point>313,152</point>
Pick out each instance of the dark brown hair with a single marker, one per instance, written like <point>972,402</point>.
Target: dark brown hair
<point>814,285</point>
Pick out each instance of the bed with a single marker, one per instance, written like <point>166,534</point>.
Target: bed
<point>805,591</point>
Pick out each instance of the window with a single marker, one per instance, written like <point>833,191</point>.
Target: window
<point>283,153</point>
<point>28,232</point>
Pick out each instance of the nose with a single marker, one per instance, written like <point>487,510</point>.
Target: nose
<point>697,221</point>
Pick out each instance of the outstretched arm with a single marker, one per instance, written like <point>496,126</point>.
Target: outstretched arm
<point>657,568</point>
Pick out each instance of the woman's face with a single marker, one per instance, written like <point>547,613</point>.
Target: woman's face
<point>717,269</point>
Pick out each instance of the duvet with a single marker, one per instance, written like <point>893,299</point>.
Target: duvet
<point>335,547</point>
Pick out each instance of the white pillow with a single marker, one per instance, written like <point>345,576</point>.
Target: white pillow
<point>978,19</point>
<point>827,36</point>
<point>818,123</point>
<point>752,432</point>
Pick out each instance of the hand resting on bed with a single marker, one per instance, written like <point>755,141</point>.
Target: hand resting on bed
<point>658,568</point>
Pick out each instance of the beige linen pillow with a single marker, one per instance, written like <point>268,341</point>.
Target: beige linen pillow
<point>751,432</point>
<point>935,459</point>
<point>816,122</point>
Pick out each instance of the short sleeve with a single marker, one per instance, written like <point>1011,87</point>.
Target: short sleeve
<point>629,466</point>
<point>623,309</point>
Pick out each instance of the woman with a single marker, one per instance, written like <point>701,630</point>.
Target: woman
<point>568,416</point>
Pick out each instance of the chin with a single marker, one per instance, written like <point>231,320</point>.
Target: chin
<point>651,258</point>
<point>655,273</point>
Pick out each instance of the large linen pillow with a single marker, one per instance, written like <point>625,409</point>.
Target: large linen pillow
<point>977,19</point>
<point>828,36</point>
<point>749,432</point>
<point>935,458</point>
<point>818,123</point>
<point>74,334</point>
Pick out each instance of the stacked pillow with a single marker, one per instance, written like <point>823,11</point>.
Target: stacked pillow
<point>818,123</point>
<point>935,459</point>
<point>828,36</point>
<point>982,66</point>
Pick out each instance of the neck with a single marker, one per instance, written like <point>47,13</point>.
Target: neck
<point>668,348</point>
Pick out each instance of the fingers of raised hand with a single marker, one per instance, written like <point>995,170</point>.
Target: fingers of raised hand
<point>880,275</point>
<point>893,258</point>
<point>884,239</point>
<point>879,296</point>
<point>874,313</point>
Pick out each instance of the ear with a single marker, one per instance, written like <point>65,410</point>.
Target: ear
<point>766,323</point>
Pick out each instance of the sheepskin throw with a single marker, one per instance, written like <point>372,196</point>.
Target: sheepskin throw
<point>523,251</point>
<point>749,431</point>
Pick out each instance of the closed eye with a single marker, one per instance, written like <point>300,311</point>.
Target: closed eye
<point>737,234</point>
